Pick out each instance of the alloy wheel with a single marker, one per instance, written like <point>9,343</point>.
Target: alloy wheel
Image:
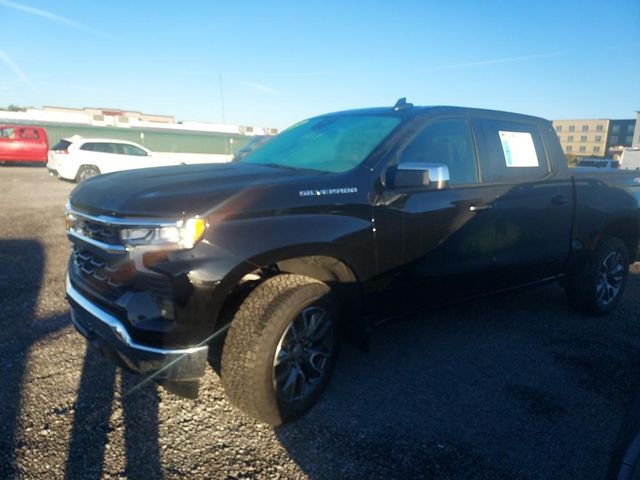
<point>303,354</point>
<point>610,278</point>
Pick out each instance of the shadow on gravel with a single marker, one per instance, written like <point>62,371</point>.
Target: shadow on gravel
<point>21,268</point>
<point>478,391</point>
<point>93,422</point>
<point>24,164</point>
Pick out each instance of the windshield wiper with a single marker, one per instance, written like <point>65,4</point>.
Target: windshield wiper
<point>279,165</point>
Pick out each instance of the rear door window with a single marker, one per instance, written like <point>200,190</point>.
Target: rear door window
<point>106,147</point>
<point>101,147</point>
<point>511,152</point>
<point>90,147</point>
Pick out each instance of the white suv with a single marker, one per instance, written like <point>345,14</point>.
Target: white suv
<point>77,158</point>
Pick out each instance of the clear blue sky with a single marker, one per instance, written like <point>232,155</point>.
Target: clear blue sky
<point>284,61</point>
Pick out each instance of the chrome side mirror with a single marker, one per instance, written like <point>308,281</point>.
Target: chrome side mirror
<point>417,175</point>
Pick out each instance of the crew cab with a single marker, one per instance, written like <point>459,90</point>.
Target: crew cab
<point>23,144</point>
<point>340,221</point>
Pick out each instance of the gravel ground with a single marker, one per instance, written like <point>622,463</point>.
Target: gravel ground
<point>513,386</point>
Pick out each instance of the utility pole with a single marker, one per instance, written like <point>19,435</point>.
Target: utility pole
<point>221,98</point>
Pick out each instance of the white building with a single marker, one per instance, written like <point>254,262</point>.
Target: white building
<point>113,117</point>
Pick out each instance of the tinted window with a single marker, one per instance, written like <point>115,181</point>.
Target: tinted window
<point>29,133</point>
<point>512,152</point>
<point>61,145</point>
<point>101,147</point>
<point>447,142</point>
<point>8,132</point>
<point>591,163</point>
<point>110,147</point>
<point>91,147</point>
<point>105,147</point>
<point>132,150</point>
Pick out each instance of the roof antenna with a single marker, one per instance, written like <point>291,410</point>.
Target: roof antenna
<point>402,104</point>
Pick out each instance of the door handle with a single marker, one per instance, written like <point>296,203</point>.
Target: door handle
<point>559,200</point>
<point>480,208</point>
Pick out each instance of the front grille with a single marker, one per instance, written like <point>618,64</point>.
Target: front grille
<point>98,231</point>
<point>103,267</point>
<point>110,278</point>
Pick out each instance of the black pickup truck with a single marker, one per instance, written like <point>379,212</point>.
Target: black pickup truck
<point>340,221</point>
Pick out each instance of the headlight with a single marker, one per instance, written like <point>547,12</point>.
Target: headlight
<point>184,234</point>
<point>69,221</point>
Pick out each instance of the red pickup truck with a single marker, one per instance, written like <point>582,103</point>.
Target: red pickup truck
<point>23,143</point>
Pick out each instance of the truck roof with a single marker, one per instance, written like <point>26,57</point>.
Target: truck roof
<point>416,111</point>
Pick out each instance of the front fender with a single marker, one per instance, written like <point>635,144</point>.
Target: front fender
<point>248,244</point>
<point>232,249</point>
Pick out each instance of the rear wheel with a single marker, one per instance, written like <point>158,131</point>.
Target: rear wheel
<point>281,348</point>
<point>598,287</point>
<point>87,171</point>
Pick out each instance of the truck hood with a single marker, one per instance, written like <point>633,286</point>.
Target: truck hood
<point>178,191</point>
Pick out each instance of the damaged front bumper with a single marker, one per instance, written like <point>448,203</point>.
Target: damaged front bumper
<point>110,336</point>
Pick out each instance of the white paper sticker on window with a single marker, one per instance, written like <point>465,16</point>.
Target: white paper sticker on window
<point>518,149</point>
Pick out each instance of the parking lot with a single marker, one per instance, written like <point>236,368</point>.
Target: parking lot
<point>512,386</point>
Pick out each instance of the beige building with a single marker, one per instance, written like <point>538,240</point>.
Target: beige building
<point>120,116</point>
<point>583,137</point>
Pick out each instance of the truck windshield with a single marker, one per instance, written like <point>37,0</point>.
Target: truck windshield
<point>333,143</point>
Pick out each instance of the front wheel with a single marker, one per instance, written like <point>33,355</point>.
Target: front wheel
<point>281,348</point>
<point>598,287</point>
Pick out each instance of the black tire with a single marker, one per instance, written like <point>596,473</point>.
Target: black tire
<point>87,171</point>
<point>624,462</point>
<point>597,287</point>
<point>270,321</point>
